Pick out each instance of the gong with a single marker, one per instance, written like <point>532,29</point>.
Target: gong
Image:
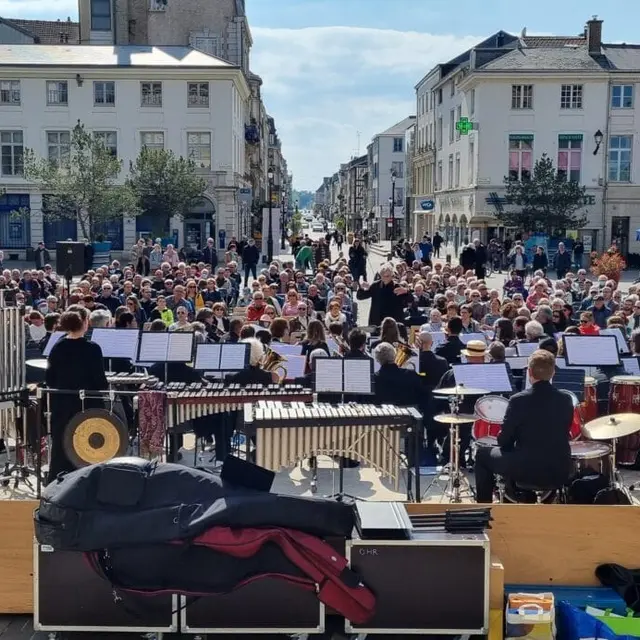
<point>94,436</point>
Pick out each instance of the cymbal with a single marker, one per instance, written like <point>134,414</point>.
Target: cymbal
<point>38,363</point>
<point>455,418</point>
<point>460,390</point>
<point>612,427</point>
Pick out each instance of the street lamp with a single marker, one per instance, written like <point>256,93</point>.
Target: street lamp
<point>270,174</point>
<point>283,221</point>
<point>392,205</point>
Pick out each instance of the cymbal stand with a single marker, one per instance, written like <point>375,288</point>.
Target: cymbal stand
<point>455,476</point>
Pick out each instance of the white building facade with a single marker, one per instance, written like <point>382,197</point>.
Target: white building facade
<point>164,97</point>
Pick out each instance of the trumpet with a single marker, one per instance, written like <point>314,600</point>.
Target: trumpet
<point>272,362</point>
<point>404,353</point>
<point>343,345</point>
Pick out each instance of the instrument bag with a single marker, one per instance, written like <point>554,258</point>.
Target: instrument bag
<point>223,559</point>
<point>131,501</point>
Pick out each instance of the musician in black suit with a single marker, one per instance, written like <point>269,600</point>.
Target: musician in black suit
<point>393,385</point>
<point>451,349</point>
<point>533,446</point>
<point>357,344</point>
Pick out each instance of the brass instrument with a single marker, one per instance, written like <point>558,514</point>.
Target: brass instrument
<point>343,345</point>
<point>404,353</point>
<point>272,362</point>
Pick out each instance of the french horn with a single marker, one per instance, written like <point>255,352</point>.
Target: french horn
<point>404,353</point>
<point>273,362</point>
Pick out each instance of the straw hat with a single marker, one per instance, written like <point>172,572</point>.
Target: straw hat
<point>475,348</point>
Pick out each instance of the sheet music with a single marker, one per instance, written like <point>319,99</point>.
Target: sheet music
<point>357,376</point>
<point>631,366</point>
<point>55,336</point>
<point>623,346</point>
<point>116,343</point>
<point>286,350</point>
<point>439,337</point>
<point>180,347</point>
<point>594,351</point>
<point>207,357</point>
<point>526,348</point>
<point>153,347</point>
<point>492,377</point>
<point>234,357</point>
<point>328,375</point>
<point>295,367</point>
<point>517,363</point>
<point>466,337</point>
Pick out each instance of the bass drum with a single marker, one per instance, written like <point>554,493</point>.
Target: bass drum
<point>624,397</point>
<point>490,411</point>
<point>589,406</point>
<point>95,435</point>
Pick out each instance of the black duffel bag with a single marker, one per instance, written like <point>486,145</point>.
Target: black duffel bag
<point>129,501</point>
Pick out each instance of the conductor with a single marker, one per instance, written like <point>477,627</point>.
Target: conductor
<point>533,446</point>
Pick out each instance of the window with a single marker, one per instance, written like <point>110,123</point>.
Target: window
<point>458,118</point>
<point>440,96</point>
<point>398,169</point>
<point>199,149</point>
<point>151,94</point>
<point>375,169</point>
<point>100,15</point>
<point>472,163</point>
<point>206,44</point>
<point>152,140</point>
<point>109,140</point>
<point>522,96</point>
<point>439,133</point>
<point>619,158</point>
<point>453,88</point>
<point>520,157</point>
<point>571,96</point>
<point>622,96</point>
<point>450,173</point>
<point>399,193</point>
<point>452,120</point>
<point>457,178</point>
<point>57,92</point>
<point>198,94</point>
<point>570,156</point>
<point>439,181</point>
<point>9,91</point>
<point>398,145</point>
<point>11,150</point>
<point>104,94</point>
<point>472,102</point>
<point>59,147</point>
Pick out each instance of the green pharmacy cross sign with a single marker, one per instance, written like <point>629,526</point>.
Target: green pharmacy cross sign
<point>464,126</point>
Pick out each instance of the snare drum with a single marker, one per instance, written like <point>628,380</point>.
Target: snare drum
<point>589,456</point>
<point>624,397</point>
<point>490,411</point>
<point>487,442</point>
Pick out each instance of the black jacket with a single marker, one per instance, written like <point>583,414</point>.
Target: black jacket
<point>400,387</point>
<point>250,254</point>
<point>451,349</point>
<point>432,368</point>
<point>536,429</point>
<point>384,302</point>
<point>210,256</point>
<point>468,258</point>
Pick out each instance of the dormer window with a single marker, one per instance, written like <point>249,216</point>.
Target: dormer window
<point>158,5</point>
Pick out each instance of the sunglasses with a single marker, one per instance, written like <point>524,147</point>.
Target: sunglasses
<point>584,322</point>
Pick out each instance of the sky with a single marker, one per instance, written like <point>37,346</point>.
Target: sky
<point>336,72</point>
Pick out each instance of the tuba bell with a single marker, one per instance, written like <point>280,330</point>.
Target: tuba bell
<point>272,361</point>
<point>404,353</point>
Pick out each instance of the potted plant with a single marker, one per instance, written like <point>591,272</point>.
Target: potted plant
<point>610,264</point>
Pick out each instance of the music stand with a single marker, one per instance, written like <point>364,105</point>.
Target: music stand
<point>163,347</point>
<point>222,357</point>
<point>351,376</point>
<point>591,351</point>
<point>116,343</point>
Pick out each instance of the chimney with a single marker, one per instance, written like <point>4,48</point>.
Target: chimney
<point>594,36</point>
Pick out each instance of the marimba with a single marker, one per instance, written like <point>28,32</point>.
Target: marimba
<point>288,433</point>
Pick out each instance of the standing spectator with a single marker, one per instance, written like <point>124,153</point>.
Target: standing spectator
<point>250,258</point>
<point>358,260</point>
<point>468,257</point>
<point>578,252</point>
<point>437,243</point>
<point>518,261</point>
<point>427,249</point>
<point>210,255</point>
<point>88,255</point>
<point>481,259</point>
<point>41,255</point>
<point>155,257</point>
<point>540,260</point>
<point>562,261</point>
<point>171,256</point>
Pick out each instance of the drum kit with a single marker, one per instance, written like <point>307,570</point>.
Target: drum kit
<point>598,444</point>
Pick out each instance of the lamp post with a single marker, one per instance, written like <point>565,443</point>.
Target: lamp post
<point>270,237</point>
<point>392,205</point>
<point>283,220</point>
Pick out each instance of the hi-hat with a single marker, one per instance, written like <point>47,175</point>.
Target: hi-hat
<point>612,427</point>
<point>460,390</point>
<point>455,418</point>
<point>38,363</point>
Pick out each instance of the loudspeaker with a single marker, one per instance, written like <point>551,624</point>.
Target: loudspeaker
<point>70,255</point>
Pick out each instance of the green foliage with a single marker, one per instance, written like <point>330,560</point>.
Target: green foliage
<point>305,199</point>
<point>339,221</point>
<point>165,185</point>
<point>545,203</point>
<point>296,223</point>
<point>82,188</point>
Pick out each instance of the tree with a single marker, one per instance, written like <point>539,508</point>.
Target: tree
<point>81,184</point>
<point>547,202</point>
<point>296,222</point>
<point>165,186</point>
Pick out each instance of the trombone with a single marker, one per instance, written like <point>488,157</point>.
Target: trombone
<point>273,362</point>
<point>404,353</point>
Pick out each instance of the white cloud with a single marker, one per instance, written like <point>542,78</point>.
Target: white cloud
<point>324,84</point>
<point>39,9</point>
